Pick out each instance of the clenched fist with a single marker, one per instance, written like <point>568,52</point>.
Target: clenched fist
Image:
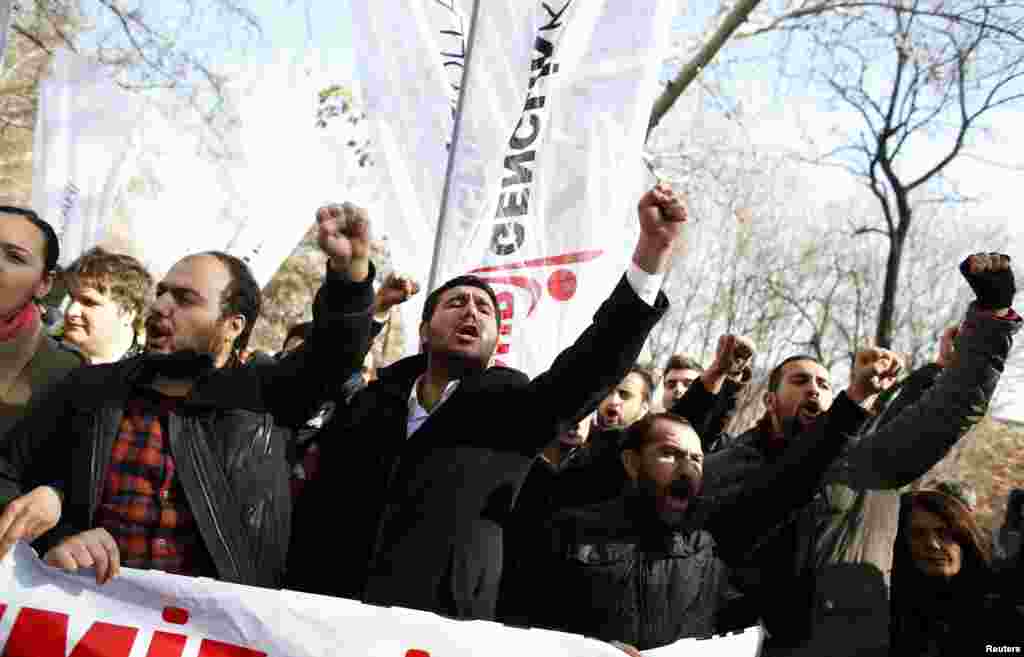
<point>395,290</point>
<point>733,360</point>
<point>662,216</point>
<point>344,236</point>
<point>991,278</point>
<point>874,370</point>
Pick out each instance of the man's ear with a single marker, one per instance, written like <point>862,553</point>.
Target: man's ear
<point>44,286</point>
<point>235,325</point>
<point>631,462</point>
<point>645,408</point>
<point>424,331</point>
<point>769,398</point>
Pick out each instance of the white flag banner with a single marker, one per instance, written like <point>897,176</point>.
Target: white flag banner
<point>289,167</point>
<point>544,187</point>
<point>48,613</point>
<point>85,137</point>
<point>409,57</point>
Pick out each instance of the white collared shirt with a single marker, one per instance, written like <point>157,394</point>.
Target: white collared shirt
<point>646,287</point>
<point>417,414</point>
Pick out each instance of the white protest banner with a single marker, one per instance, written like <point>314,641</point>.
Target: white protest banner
<point>48,613</point>
<point>287,169</point>
<point>547,166</point>
<point>410,57</point>
<point>85,136</point>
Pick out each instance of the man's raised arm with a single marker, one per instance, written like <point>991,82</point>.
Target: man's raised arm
<point>295,387</point>
<point>903,449</point>
<point>582,374</point>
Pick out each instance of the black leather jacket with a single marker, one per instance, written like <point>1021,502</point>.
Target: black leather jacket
<point>231,464</point>
<point>229,456</point>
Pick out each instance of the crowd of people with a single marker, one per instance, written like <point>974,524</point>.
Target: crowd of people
<point>149,435</point>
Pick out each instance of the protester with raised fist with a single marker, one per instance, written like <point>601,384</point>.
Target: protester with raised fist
<point>647,568</point>
<point>109,293</point>
<point>710,402</point>
<point>820,579</point>
<point>432,453</point>
<point>173,460</point>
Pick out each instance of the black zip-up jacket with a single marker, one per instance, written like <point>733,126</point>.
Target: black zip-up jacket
<point>614,572</point>
<point>230,459</point>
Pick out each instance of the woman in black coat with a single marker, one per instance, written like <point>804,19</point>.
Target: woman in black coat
<point>946,599</point>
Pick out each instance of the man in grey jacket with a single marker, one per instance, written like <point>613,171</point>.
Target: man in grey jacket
<point>839,547</point>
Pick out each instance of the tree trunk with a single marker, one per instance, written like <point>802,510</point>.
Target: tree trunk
<point>887,311</point>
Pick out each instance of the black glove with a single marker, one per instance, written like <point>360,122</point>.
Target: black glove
<point>994,288</point>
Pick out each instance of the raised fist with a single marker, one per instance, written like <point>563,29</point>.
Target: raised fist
<point>991,278</point>
<point>344,236</point>
<point>662,214</point>
<point>395,290</point>
<point>733,357</point>
<point>874,370</point>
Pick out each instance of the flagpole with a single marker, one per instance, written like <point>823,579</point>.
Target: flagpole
<point>436,262</point>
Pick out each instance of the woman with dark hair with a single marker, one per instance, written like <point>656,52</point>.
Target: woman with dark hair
<point>30,361</point>
<point>946,599</point>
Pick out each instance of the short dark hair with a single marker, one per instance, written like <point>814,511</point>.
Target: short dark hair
<point>120,276</point>
<point>775,378</point>
<point>638,434</point>
<point>648,380</point>
<point>242,296</point>
<point>430,305</point>
<point>52,252</point>
<point>302,331</point>
<point>683,362</point>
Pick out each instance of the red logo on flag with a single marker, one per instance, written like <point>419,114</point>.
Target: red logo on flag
<point>561,284</point>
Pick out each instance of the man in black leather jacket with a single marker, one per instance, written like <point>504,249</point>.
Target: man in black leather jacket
<point>171,461</point>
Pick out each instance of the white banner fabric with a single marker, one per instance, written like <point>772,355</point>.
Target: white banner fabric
<point>547,169</point>
<point>546,179</point>
<point>49,613</point>
<point>409,58</point>
<point>85,135</point>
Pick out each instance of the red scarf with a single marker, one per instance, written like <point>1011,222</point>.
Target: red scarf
<point>27,319</point>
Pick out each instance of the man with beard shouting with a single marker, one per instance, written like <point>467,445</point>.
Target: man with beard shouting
<point>429,457</point>
<point>819,581</point>
<point>647,568</point>
<point>170,460</point>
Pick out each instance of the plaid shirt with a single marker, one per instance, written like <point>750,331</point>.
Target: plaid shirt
<point>143,505</point>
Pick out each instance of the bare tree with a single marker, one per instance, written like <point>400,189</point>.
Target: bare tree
<point>919,84</point>
<point>148,44</point>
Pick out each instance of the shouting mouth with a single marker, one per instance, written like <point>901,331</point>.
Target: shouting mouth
<point>468,333</point>
<point>810,410</point>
